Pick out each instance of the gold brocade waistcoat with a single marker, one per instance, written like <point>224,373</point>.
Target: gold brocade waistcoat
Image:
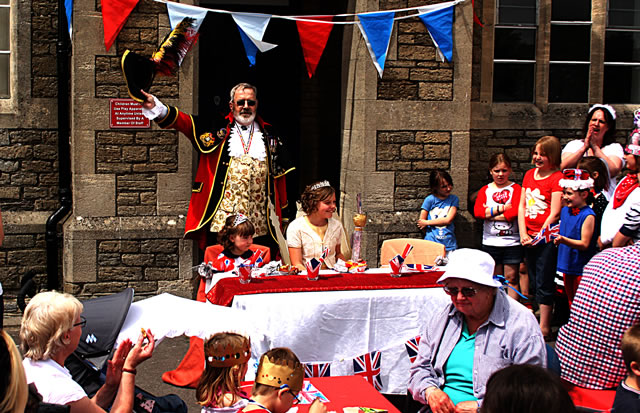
<point>244,192</point>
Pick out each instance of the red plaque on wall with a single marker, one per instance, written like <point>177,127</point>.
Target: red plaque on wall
<point>126,113</point>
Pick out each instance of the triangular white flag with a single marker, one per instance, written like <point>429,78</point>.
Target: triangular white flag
<point>178,11</point>
<point>254,26</point>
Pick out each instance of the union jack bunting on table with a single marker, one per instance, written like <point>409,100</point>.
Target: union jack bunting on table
<point>412,348</point>
<point>546,235</point>
<point>317,370</point>
<point>368,366</point>
<point>419,267</point>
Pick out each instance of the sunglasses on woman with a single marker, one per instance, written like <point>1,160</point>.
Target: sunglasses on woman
<point>466,291</point>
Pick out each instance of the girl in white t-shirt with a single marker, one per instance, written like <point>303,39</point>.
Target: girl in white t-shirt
<point>309,235</point>
<point>497,204</point>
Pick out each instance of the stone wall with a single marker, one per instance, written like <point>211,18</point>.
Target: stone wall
<point>415,117</point>
<point>131,186</point>
<point>28,144</point>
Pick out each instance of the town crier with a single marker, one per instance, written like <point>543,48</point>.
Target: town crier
<point>241,167</point>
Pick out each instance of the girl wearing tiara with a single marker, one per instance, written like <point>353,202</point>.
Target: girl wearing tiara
<point>599,131</point>
<point>310,234</point>
<point>236,238</point>
<point>226,357</point>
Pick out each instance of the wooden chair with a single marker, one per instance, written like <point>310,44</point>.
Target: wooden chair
<point>424,252</point>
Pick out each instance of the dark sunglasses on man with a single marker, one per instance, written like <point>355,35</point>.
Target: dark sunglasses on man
<point>250,103</point>
<point>466,291</point>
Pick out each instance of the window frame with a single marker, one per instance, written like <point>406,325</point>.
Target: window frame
<point>8,104</point>
<point>599,11</point>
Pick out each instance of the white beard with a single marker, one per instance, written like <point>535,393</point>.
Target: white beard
<point>244,119</point>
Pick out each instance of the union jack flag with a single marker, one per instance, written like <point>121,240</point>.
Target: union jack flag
<point>412,348</point>
<point>317,370</point>
<point>407,249</point>
<point>419,267</point>
<point>368,366</point>
<point>546,235</point>
<point>223,263</point>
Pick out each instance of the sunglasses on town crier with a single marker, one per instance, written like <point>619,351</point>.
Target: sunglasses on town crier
<point>241,102</point>
<point>466,291</point>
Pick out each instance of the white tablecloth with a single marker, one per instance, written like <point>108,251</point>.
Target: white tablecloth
<point>337,326</point>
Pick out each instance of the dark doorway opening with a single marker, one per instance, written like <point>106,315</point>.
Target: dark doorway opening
<point>305,112</point>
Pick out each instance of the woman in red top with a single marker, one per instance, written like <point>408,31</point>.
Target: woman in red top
<point>540,207</point>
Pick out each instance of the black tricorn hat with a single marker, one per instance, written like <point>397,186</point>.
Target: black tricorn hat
<point>139,71</point>
<point>138,74</point>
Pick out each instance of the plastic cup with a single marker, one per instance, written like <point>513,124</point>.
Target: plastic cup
<point>244,274</point>
<point>313,275</point>
<point>396,268</point>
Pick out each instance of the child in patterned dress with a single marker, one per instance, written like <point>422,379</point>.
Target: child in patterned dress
<point>226,357</point>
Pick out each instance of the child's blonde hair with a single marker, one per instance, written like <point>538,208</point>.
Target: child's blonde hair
<point>551,148</point>
<point>215,382</point>
<point>630,346</point>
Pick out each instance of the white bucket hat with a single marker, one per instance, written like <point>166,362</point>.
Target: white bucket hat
<point>473,265</point>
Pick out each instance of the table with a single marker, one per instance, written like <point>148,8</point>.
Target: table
<point>338,326</point>
<point>346,391</point>
<point>375,279</point>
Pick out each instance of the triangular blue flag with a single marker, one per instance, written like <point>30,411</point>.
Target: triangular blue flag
<point>376,29</point>
<point>68,7</point>
<point>249,47</point>
<point>439,24</point>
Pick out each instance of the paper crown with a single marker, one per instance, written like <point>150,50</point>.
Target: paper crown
<point>228,355</point>
<point>576,179</point>
<point>319,185</point>
<point>277,373</point>
<point>140,71</point>
<point>240,218</point>
<point>608,108</point>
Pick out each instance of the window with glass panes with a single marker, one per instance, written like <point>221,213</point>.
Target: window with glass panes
<point>570,51</point>
<point>622,52</point>
<point>5,48</point>
<point>514,59</point>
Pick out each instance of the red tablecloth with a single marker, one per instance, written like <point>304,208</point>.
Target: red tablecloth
<point>345,391</point>
<point>224,291</point>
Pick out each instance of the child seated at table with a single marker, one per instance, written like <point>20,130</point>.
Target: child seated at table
<point>236,237</point>
<point>628,392</point>
<point>226,360</point>
<point>278,382</point>
<point>309,235</point>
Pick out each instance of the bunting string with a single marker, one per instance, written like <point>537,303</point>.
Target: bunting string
<point>375,26</point>
<point>309,18</point>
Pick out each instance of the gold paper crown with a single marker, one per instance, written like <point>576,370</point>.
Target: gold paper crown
<point>229,355</point>
<point>277,373</point>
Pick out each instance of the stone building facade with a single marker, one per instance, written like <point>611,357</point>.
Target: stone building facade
<point>131,187</point>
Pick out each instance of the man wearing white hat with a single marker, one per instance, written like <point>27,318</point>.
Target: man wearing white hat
<point>480,332</point>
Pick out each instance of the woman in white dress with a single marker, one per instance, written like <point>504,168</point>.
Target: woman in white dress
<point>599,132</point>
<point>309,235</point>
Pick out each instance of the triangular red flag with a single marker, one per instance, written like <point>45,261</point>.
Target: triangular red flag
<point>114,16</point>
<point>313,38</point>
